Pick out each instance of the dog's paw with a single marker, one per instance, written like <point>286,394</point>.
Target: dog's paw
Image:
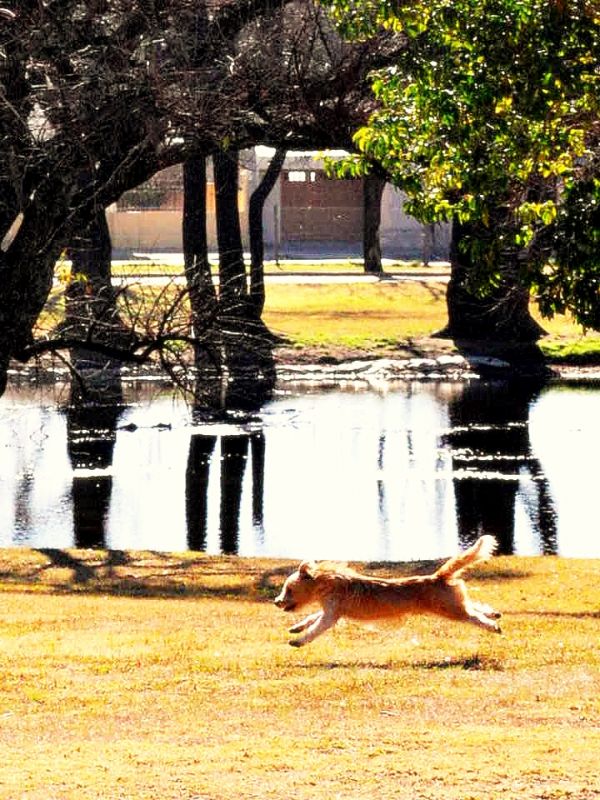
<point>295,642</point>
<point>492,613</point>
<point>299,626</point>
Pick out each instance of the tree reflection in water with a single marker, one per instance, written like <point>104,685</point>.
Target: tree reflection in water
<point>491,449</point>
<point>398,475</point>
<point>233,463</point>
<point>196,489</point>
<point>92,416</point>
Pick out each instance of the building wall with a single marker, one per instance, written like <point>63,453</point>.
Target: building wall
<point>157,231</point>
<point>314,207</point>
<point>323,221</point>
<point>305,212</point>
<point>157,227</point>
<point>404,237</point>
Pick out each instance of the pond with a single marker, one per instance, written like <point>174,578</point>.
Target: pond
<point>409,473</point>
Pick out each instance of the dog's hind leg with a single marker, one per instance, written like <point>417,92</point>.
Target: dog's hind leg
<point>324,620</point>
<point>304,623</point>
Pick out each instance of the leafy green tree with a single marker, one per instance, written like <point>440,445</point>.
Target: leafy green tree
<point>489,118</point>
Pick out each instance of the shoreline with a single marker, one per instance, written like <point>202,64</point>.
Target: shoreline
<point>331,366</point>
<point>429,360</point>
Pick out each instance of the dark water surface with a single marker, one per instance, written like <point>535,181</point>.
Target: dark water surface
<point>412,473</point>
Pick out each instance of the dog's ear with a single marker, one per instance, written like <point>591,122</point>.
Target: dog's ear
<point>306,569</point>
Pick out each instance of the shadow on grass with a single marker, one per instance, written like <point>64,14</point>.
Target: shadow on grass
<point>403,570</point>
<point>142,574</point>
<point>187,575</point>
<point>472,662</point>
<point>353,665</point>
<point>560,614</point>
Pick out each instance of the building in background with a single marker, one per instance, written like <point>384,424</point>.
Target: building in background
<point>306,214</point>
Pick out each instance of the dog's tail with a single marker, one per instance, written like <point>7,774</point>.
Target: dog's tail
<point>483,548</point>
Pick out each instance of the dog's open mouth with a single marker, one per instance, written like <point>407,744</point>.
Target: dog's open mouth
<point>285,606</point>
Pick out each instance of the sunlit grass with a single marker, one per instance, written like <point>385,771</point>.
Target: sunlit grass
<point>360,316</point>
<point>272,267</point>
<point>137,676</point>
<point>355,315</point>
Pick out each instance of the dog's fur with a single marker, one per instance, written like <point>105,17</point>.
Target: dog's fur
<point>342,592</point>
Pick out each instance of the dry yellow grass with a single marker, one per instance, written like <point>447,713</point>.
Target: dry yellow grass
<point>360,315</point>
<point>392,314</point>
<point>142,676</point>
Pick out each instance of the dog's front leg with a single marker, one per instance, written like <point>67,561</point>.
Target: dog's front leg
<point>303,624</point>
<point>487,611</point>
<point>324,620</point>
<point>474,616</point>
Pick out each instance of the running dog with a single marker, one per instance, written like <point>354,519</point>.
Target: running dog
<point>342,592</point>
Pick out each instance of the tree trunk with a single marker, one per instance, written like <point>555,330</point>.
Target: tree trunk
<point>91,313</point>
<point>202,293</point>
<point>373,186</point>
<point>26,270</point>
<point>233,289</point>
<point>499,317</point>
<point>255,230</point>
<point>91,254</point>
<point>245,349</point>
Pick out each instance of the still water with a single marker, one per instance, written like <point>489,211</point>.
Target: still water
<point>410,473</point>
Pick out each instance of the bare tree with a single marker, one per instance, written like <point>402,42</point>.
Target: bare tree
<point>96,97</point>
<point>255,229</point>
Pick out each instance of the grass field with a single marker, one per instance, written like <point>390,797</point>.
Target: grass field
<point>355,315</point>
<point>301,265</point>
<point>391,314</point>
<point>143,676</point>
<point>367,317</point>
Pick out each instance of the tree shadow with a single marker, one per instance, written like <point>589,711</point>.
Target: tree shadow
<point>144,574</point>
<point>404,569</point>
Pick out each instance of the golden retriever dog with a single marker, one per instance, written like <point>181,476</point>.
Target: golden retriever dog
<point>342,592</point>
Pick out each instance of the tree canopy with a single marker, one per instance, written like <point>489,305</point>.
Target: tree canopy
<point>490,115</point>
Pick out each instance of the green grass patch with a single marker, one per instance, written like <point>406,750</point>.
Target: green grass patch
<point>133,676</point>
<point>356,316</point>
<point>573,350</point>
<point>143,267</point>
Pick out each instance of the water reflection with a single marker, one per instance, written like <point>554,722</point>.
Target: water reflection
<point>408,474</point>
<point>196,489</point>
<point>493,461</point>
<point>233,456</point>
<point>94,407</point>
<point>91,437</point>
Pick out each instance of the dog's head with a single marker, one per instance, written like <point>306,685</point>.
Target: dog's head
<point>299,589</point>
